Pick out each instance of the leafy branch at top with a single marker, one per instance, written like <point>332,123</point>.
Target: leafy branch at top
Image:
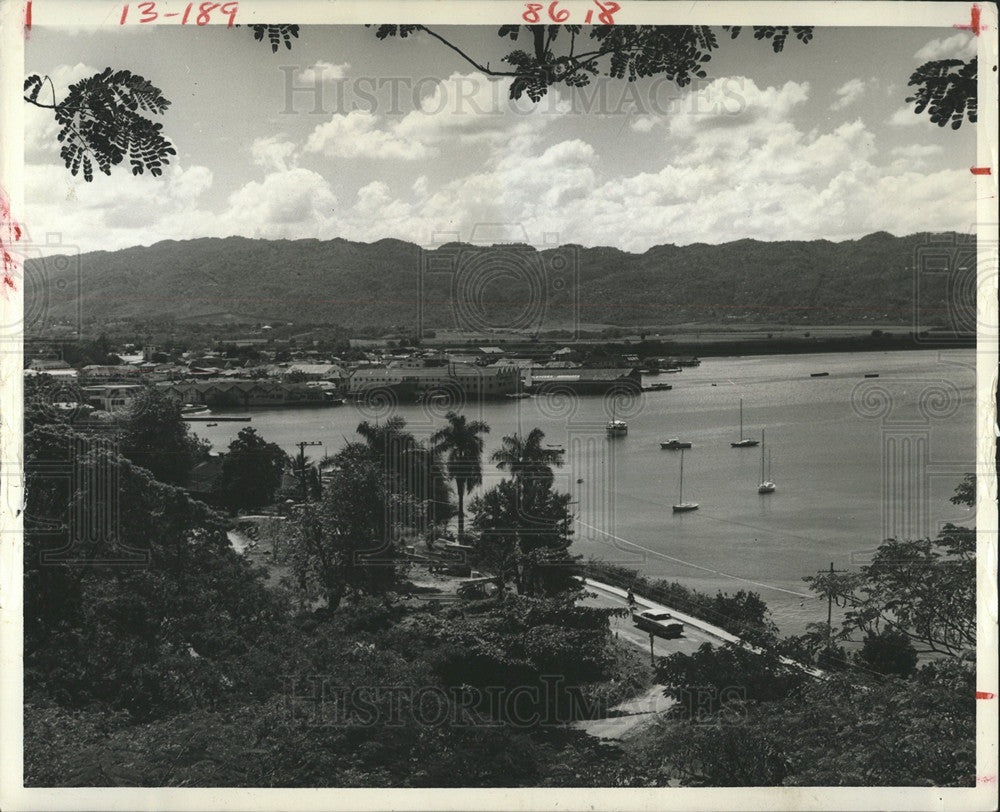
<point>677,52</point>
<point>276,34</point>
<point>947,90</point>
<point>107,118</point>
<point>103,122</point>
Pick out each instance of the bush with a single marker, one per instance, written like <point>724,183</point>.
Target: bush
<point>890,654</point>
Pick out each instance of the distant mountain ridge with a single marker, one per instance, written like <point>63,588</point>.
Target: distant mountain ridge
<point>396,283</point>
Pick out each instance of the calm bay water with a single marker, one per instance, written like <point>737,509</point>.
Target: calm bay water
<point>854,460</point>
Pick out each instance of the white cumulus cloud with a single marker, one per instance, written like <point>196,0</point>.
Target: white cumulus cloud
<point>848,93</point>
<point>962,45</point>
<point>361,134</point>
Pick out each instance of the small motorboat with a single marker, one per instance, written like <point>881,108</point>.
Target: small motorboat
<point>674,444</point>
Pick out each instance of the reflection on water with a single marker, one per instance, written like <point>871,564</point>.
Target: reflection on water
<point>854,459</point>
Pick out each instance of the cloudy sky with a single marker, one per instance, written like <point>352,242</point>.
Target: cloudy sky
<point>403,139</point>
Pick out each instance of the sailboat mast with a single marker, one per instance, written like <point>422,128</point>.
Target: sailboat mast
<point>680,493</point>
<point>741,418</point>
<point>762,444</point>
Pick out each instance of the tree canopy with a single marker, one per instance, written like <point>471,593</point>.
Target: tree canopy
<point>628,52</point>
<point>251,471</point>
<point>154,437</point>
<point>524,526</point>
<point>461,441</point>
<point>345,542</point>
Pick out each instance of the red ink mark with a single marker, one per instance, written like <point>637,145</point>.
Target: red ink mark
<point>27,16</point>
<point>984,695</point>
<point>981,170</point>
<point>986,779</point>
<point>975,28</point>
<point>10,233</point>
<point>608,10</point>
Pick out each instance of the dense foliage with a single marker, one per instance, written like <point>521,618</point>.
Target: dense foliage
<point>345,541</point>
<point>834,732</point>
<point>154,437</point>
<point>132,590</point>
<point>523,526</point>
<point>155,655</point>
<point>923,589</point>
<point>947,90</point>
<point>251,471</point>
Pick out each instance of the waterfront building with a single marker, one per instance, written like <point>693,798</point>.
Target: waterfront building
<point>111,397</point>
<point>99,373</point>
<point>408,382</point>
<point>246,394</point>
<point>583,381</point>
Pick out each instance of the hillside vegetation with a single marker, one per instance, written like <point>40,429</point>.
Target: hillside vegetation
<point>870,280</point>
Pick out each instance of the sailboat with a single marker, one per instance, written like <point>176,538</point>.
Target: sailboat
<point>766,485</point>
<point>744,442</point>
<point>682,506</point>
<point>616,428</point>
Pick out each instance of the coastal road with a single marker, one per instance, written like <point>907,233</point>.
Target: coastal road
<point>623,629</point>
<point>628,715</point>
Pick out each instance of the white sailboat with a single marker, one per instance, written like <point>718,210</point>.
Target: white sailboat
<point>616,428</point>
<point>744,442</point>
<point>682,506</point>
<point>766,485</point>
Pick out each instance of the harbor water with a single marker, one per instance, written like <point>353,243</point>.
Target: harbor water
<point>855,459</point>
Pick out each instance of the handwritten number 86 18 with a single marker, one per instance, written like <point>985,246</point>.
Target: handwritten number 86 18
<point>557,15</point>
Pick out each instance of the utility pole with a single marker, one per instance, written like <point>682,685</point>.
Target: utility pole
<point>302,465</point>
<point>829,609</point>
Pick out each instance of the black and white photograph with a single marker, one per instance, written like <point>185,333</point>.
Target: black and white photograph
<point>499,405</point>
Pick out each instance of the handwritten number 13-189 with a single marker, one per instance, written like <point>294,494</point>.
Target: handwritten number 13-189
<point>148,12</point>
<point>558,15</point>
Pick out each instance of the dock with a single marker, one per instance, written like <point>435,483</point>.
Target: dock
<point>211,418</point>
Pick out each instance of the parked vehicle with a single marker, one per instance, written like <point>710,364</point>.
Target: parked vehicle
<point>661,624</point>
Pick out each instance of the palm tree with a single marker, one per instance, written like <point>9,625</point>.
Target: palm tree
<point>462,442</point>
<point>386,438</point>
<point>528,461</point>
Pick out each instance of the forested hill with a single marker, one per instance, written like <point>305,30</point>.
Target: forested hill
<point>382,283</point>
